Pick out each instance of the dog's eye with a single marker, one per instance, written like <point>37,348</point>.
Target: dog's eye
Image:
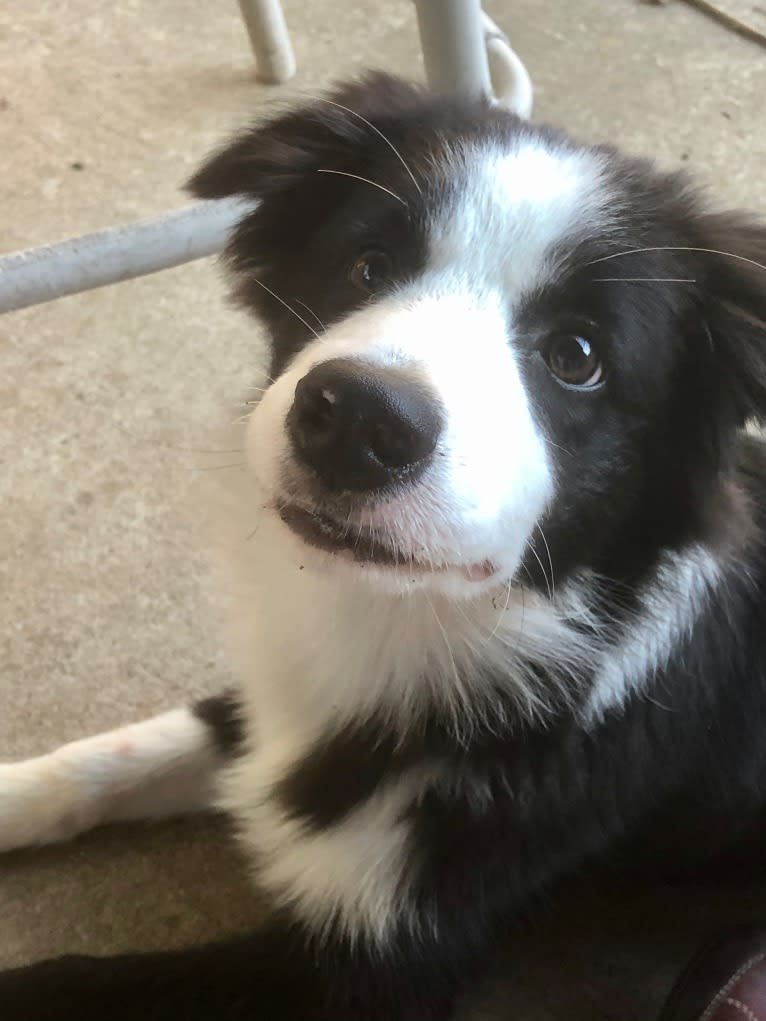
<point>371,271</point>
<point>573,360</point>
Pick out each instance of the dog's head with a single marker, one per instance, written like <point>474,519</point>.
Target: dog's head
<point>496,354</point>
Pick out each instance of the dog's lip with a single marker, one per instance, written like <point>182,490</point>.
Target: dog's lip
<point>325,533</point>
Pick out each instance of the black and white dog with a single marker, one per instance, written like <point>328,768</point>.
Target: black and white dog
<point>502,572</point>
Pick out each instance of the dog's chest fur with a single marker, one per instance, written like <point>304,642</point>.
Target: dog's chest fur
<point>516,710</point>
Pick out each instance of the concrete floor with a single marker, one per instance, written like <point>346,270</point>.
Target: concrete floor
<point>104,111</point>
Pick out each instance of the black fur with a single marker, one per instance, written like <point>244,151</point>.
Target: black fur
<point>340,773</point>
<point>222,715</point>
<point>686,361</point>
<point>653,463</point>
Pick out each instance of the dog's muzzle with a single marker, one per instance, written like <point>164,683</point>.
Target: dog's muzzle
<point>360,428</point>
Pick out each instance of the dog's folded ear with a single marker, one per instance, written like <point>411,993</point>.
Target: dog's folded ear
<point>734,302</point>
<point>269,157</point>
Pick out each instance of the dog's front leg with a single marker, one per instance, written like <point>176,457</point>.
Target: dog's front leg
<point>160,767</point>
<point>384,914</point>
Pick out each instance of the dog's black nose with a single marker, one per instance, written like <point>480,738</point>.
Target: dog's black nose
<point>363,428</point>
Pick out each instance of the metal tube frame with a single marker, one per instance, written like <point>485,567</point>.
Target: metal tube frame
<point>270,39</point>
<point>463,51</point>
<point>110,256</point>
<point>454,52</point>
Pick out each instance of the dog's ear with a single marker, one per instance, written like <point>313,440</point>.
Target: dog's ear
<point>734,303</point>
<point>271,156</point>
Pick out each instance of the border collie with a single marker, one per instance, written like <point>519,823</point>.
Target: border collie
<point>501,563</point>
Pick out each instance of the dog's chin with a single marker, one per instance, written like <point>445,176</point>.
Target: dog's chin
<point>327,543</point>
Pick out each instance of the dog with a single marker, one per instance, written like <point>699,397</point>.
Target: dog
<point>501,564</point>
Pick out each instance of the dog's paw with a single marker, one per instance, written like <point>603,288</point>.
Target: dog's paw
<point>39,803</point>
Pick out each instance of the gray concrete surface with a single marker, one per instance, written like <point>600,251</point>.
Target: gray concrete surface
<point>104,111</point>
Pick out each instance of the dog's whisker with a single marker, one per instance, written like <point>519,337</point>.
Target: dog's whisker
<point>534,553</point>
<point>502,612</point>
<point>214,467</point>
<point>550,559</point>
<point>448,644</point>
<point>558,446</point>
<point>645,280</point>
<point>708,335</point>
<point>312,312</point>
<point>366,180</point>
<point>284,303</point>
<point>378,132</point>
<point>520,636</point>
<point>677,248</point>
<point>177,446</point>
<point>198,450</point>
<point>660,705</point>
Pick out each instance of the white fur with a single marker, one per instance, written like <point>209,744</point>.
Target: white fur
<point>317,649</point>
<point>511,209</point>
<point>668,609</point>
<point>491,478</point>
<point>392,641</point>
<point>323,641</point>
<point>464,510</point>
<point>364,651</point>
<point>355,873</point>
<point>160,767</point>
<point>316,652</point>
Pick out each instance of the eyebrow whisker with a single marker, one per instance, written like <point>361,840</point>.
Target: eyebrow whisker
<point>288,307</point>
<point>377,131</point>
<point>356,177</point>
<point>677,248</point>
<point>645,280</point>
<point>313,313</point>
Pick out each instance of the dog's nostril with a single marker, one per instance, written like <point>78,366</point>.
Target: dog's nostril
<point>361,428</point>
<point>319,409</point>
<point>393,447</point>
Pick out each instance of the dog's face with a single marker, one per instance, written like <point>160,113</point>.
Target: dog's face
<point>497,355</point>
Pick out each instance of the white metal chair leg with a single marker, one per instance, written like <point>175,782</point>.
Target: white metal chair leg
<point>511,84</point>
<point>465,51</point>
<point>270,39</point>
<point>42,274</point>
<point>452,40</point>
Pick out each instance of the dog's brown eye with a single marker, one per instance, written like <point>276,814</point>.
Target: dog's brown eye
<point>371,271</point>
<point>574,361</point>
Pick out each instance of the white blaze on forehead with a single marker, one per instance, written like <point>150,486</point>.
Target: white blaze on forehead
<point>512,209</point>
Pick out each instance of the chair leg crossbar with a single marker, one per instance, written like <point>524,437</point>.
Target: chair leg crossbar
<point>463,51</point>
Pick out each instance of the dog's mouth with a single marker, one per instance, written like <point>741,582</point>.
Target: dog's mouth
<point>325,533</point>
